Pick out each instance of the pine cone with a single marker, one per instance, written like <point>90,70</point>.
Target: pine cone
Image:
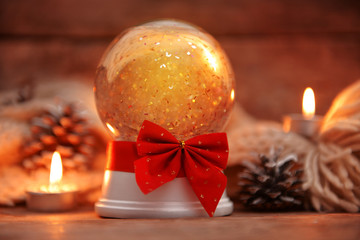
<point>271,184</point>
<point>61,130</point>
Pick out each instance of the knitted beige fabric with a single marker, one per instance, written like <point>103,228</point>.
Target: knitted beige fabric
<point>247,141</point>
<point>12,135</point>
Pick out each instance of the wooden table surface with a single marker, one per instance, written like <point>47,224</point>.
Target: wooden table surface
<point>18,223</point>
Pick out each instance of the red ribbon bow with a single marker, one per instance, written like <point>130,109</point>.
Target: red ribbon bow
<point>201,159</point>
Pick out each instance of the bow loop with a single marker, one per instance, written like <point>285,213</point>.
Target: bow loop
<point>153,139</point>
<point>201,159</point>
<point>213,147</point>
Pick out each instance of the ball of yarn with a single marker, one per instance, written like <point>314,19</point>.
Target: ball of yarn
<point>333,170</point>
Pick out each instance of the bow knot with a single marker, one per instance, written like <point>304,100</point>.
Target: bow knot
<point>182,144</point>
<point>201,159</point>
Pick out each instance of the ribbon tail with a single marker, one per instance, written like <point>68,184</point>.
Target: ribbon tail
<point>209,197</point>
<point>207,181</point>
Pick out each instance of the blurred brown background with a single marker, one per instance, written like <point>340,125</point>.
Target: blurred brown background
<point>277,48</point>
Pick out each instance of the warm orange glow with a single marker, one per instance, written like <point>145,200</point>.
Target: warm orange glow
<point>107,178</point>
<point>232,94</point>
<point>56,172</point>
<point>211,58</point>
<point>111,128</point>
<point>208,55</point>
<point>308,106</point>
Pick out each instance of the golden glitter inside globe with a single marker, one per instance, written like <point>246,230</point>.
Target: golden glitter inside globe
<point>168,72</point>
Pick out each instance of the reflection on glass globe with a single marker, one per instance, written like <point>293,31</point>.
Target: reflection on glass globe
<point>168,72</point>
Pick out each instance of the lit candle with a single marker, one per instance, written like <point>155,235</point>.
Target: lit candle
<point>306,124</point>
<point>55,196</point>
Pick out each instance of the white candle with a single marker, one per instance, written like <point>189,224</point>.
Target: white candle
<point>306,124</point>
<point>55,196</point>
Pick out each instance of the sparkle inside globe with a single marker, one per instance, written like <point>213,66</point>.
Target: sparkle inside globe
<point>168,72</point>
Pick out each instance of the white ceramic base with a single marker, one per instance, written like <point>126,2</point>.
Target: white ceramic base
<point>122,198</point>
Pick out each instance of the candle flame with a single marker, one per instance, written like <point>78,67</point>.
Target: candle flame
<point>308,106</point>
<point>56,171</point>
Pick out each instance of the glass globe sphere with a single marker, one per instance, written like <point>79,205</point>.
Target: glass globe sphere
<point>168,72</point>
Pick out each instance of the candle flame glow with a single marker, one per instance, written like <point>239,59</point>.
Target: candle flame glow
<point>56,172</point>
<point>209,56</point>
<point>211,59</point>
<point>308,106</point>
<point>111,128</point>
<point>232,94</point>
